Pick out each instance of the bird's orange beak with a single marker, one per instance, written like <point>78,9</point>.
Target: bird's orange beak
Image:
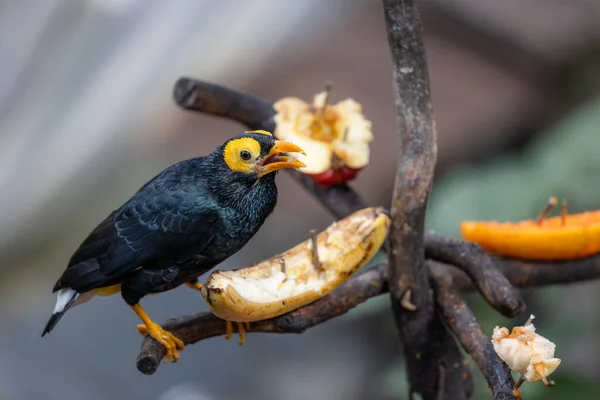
<point>278,159</point>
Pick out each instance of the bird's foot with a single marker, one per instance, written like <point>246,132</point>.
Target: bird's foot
<point>242,328</point>
<point>171,342</point>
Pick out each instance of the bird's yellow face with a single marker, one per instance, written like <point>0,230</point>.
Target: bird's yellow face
<point>248,156</point>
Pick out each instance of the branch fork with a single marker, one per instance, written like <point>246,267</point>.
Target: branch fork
<point>424,273</point>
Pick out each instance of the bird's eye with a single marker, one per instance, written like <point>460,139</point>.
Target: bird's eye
<point>245,155</point>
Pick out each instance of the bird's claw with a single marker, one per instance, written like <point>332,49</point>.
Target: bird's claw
<point>171,342</point>
<point>242,328</point>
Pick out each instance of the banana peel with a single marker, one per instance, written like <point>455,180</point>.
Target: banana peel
<point>300,275</point>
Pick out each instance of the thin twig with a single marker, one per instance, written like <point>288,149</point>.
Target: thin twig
<point>314,249</point>
<point>461,320</point>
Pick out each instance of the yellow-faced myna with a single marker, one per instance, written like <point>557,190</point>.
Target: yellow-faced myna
<point>183,222</point>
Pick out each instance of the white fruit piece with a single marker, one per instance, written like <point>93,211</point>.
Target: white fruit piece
<point>526,352</point>
<point>339,130</point>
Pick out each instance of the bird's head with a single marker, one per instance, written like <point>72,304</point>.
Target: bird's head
<point>255,155</point>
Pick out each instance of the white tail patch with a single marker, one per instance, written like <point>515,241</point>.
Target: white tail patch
<point>63,297</point>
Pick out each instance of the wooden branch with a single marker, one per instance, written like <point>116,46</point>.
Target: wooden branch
<point>357,290</point>
<point>220,101</point>
<point>434,363</point>
<point>535,274</point>
<point>459,317</point>
<point>418,153</point>
<point>477,264</point>
<point>193,328</point>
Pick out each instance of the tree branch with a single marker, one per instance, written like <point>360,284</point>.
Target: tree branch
<point>418,153</point>
<point>459,317</point>
<point>220,101</point>
<point>477,264</point>
<point>193,328</point>
<point>535,274</point>
<point>357,290</point>
<point>435,365</point>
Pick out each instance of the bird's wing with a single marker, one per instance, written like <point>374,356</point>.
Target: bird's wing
<point>95,243</point>
<point>170,224</point>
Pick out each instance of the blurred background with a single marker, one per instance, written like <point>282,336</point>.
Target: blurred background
<point>87,117</point>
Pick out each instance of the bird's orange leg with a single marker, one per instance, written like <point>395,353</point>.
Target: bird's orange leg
<point>242,326</point>
<point>172,343</point>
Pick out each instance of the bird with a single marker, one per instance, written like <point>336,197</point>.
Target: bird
<point>180,224</point>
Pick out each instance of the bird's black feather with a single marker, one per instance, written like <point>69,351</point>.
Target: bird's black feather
<point>180,224</point>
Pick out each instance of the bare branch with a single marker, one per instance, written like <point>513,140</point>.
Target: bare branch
<point>461,320</point>
<point>477,264</point>
<point>193,328</point>
<point>418,151</point>
<point>220,101</point>
<point>428,347</point>
<point>358,289</point>
<point>340,200</point>
<point>535,274</point>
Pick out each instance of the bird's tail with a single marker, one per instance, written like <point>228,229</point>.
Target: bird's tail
<point>64,300</point>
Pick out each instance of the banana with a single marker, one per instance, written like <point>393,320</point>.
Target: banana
<point>300,275</point>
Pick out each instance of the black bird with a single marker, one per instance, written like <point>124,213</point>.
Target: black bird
<point>183,222</point>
